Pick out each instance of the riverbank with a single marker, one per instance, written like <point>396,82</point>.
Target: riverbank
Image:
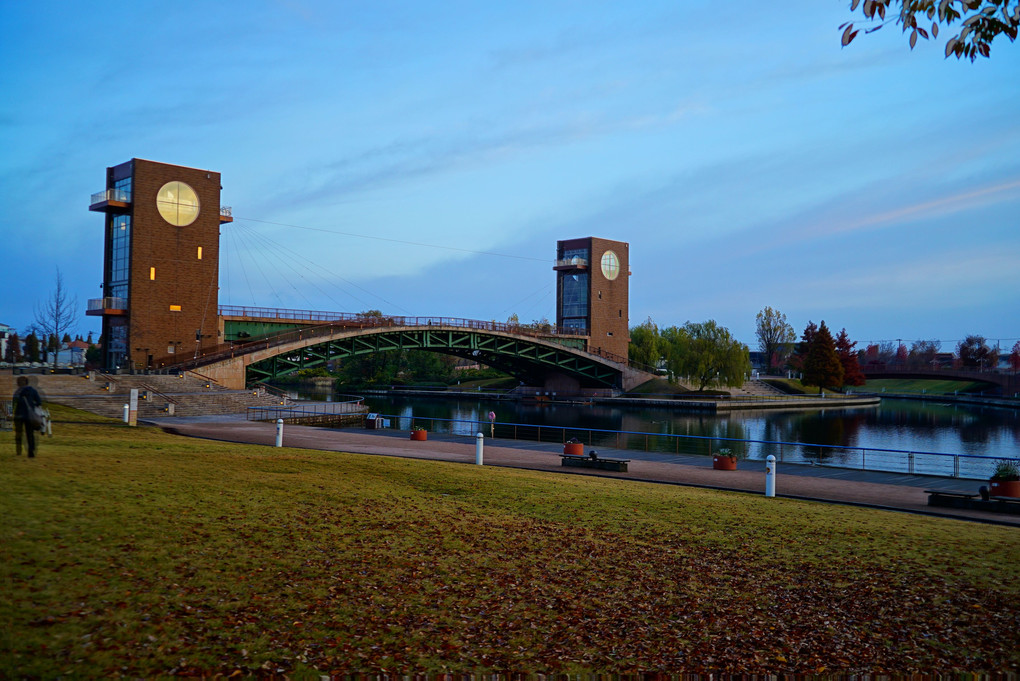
<point>712,405</point>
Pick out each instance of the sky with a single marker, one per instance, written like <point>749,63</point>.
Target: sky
<point>424,158</point>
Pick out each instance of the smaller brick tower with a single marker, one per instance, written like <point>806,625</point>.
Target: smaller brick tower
<point>592,292</point>
<point>161,263</point>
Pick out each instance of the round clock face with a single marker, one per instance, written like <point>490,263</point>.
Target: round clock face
<point>610,265</point>
<point>177,203</point>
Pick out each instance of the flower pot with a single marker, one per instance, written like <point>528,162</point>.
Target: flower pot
<point>573,448</point>
<point>420,435</point>
<point>724,463</point>
<point>1004,488</point>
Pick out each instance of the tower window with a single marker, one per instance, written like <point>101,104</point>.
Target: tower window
<point>152,274</point>
<point>199,252</point>
<point>175,308</point>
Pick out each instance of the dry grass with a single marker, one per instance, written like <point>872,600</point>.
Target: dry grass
<point>132,552</point>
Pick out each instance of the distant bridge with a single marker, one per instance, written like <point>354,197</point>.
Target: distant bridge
<point>545,357</point>
<point>1007,383</point>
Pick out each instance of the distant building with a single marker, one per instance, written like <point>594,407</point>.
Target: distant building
<point>593,292</point>
<point>5,335</point>
<point>161,262</point>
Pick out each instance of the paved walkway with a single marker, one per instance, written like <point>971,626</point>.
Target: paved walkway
<point>890,491</point>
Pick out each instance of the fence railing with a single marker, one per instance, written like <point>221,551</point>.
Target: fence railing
<point>355,405</point>
<point>967,466</point>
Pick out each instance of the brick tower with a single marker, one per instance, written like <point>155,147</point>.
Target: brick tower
<point>592,292</point>
<point>161,263</point>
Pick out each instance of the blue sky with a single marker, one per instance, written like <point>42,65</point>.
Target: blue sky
<point>424,158</point>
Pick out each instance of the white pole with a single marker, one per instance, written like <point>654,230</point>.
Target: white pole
<point>770,476</point>
<point>279,432</point>
<point>479,446</point>
<point>127,413</point>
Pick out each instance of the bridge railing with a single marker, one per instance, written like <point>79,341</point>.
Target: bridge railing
<point>966,466</point>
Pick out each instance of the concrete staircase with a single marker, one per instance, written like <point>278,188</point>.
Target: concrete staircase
<point>158,395</point>
<point>759,388</point>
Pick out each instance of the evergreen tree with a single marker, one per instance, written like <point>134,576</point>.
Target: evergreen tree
<point>32,347</point>
<point>852,374</point>
<point>13,354</point>
<point>800,351</point>
<point>821,365</point>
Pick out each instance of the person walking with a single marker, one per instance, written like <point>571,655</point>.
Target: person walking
<point>26,399</point>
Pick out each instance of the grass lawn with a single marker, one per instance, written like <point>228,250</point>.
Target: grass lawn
<point>918,385</point>
<point>133,552</point>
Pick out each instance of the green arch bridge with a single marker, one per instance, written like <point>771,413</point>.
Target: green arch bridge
<point>549,358</point>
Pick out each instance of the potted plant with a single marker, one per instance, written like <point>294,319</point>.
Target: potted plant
<point>419,433</point>
<point>724,460</point>
<point>1005,480</point>
<point>573,447</point>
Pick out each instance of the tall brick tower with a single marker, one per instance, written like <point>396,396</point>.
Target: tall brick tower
<point>593,293</point>
<point>161,263</point>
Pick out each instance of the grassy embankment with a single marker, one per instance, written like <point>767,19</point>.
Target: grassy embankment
<point>130,551</point>
<point>898,386</point>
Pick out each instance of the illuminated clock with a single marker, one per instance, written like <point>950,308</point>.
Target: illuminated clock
<point>610,265</point>
<point>177,203</point>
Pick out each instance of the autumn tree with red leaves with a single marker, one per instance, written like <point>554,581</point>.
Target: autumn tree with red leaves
<point>981,22</point>
<point>852,374</point>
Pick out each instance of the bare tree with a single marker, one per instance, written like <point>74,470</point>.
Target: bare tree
<point>57,314</point>
<point>775,336</point>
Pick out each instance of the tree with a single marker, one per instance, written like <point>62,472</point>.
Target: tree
<point>923,353</point>
<point>852,374</point>
<point>13,354</point>
<point>800,351</point>
<point>974,353</point>
<point>32,348</point>
<point>57,314</point>
<point>821,365</point>
<point>901,354</point>
<point>707,353</point>
<point>981,22</point>
<point>774,336</point>
<point>1014,357</point>
<point>646,344</point>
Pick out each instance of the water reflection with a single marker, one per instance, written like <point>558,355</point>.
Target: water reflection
<point>909,425</point>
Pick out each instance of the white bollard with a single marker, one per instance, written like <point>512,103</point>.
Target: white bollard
<point>770,476</point>
<point>127,413</point>
<point>279,432</point>
<point>479,446</point>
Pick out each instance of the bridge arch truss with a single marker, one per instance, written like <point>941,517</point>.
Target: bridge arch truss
<point>530,359</point>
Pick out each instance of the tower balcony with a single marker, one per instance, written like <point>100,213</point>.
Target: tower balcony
<point>226,214</point>
<point>111,201</point>
<point>111,305</point>
<point>575,263</point>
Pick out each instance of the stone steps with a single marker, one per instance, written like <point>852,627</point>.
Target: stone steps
<point>107,395</point>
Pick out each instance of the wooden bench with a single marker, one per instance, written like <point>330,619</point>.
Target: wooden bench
<point>1010,505</point>
<point>950,498</point>
<point>619,465</point>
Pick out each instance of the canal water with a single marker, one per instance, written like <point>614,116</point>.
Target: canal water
<point>899,435</point>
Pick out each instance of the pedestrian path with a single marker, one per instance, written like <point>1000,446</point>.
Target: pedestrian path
<point>892,491</point>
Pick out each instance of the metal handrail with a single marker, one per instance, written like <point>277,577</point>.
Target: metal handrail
<point>108,303</point>
<point>111,195</point>
<point>967,466</point>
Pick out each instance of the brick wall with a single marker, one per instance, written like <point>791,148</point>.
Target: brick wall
<point>181,278</point>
